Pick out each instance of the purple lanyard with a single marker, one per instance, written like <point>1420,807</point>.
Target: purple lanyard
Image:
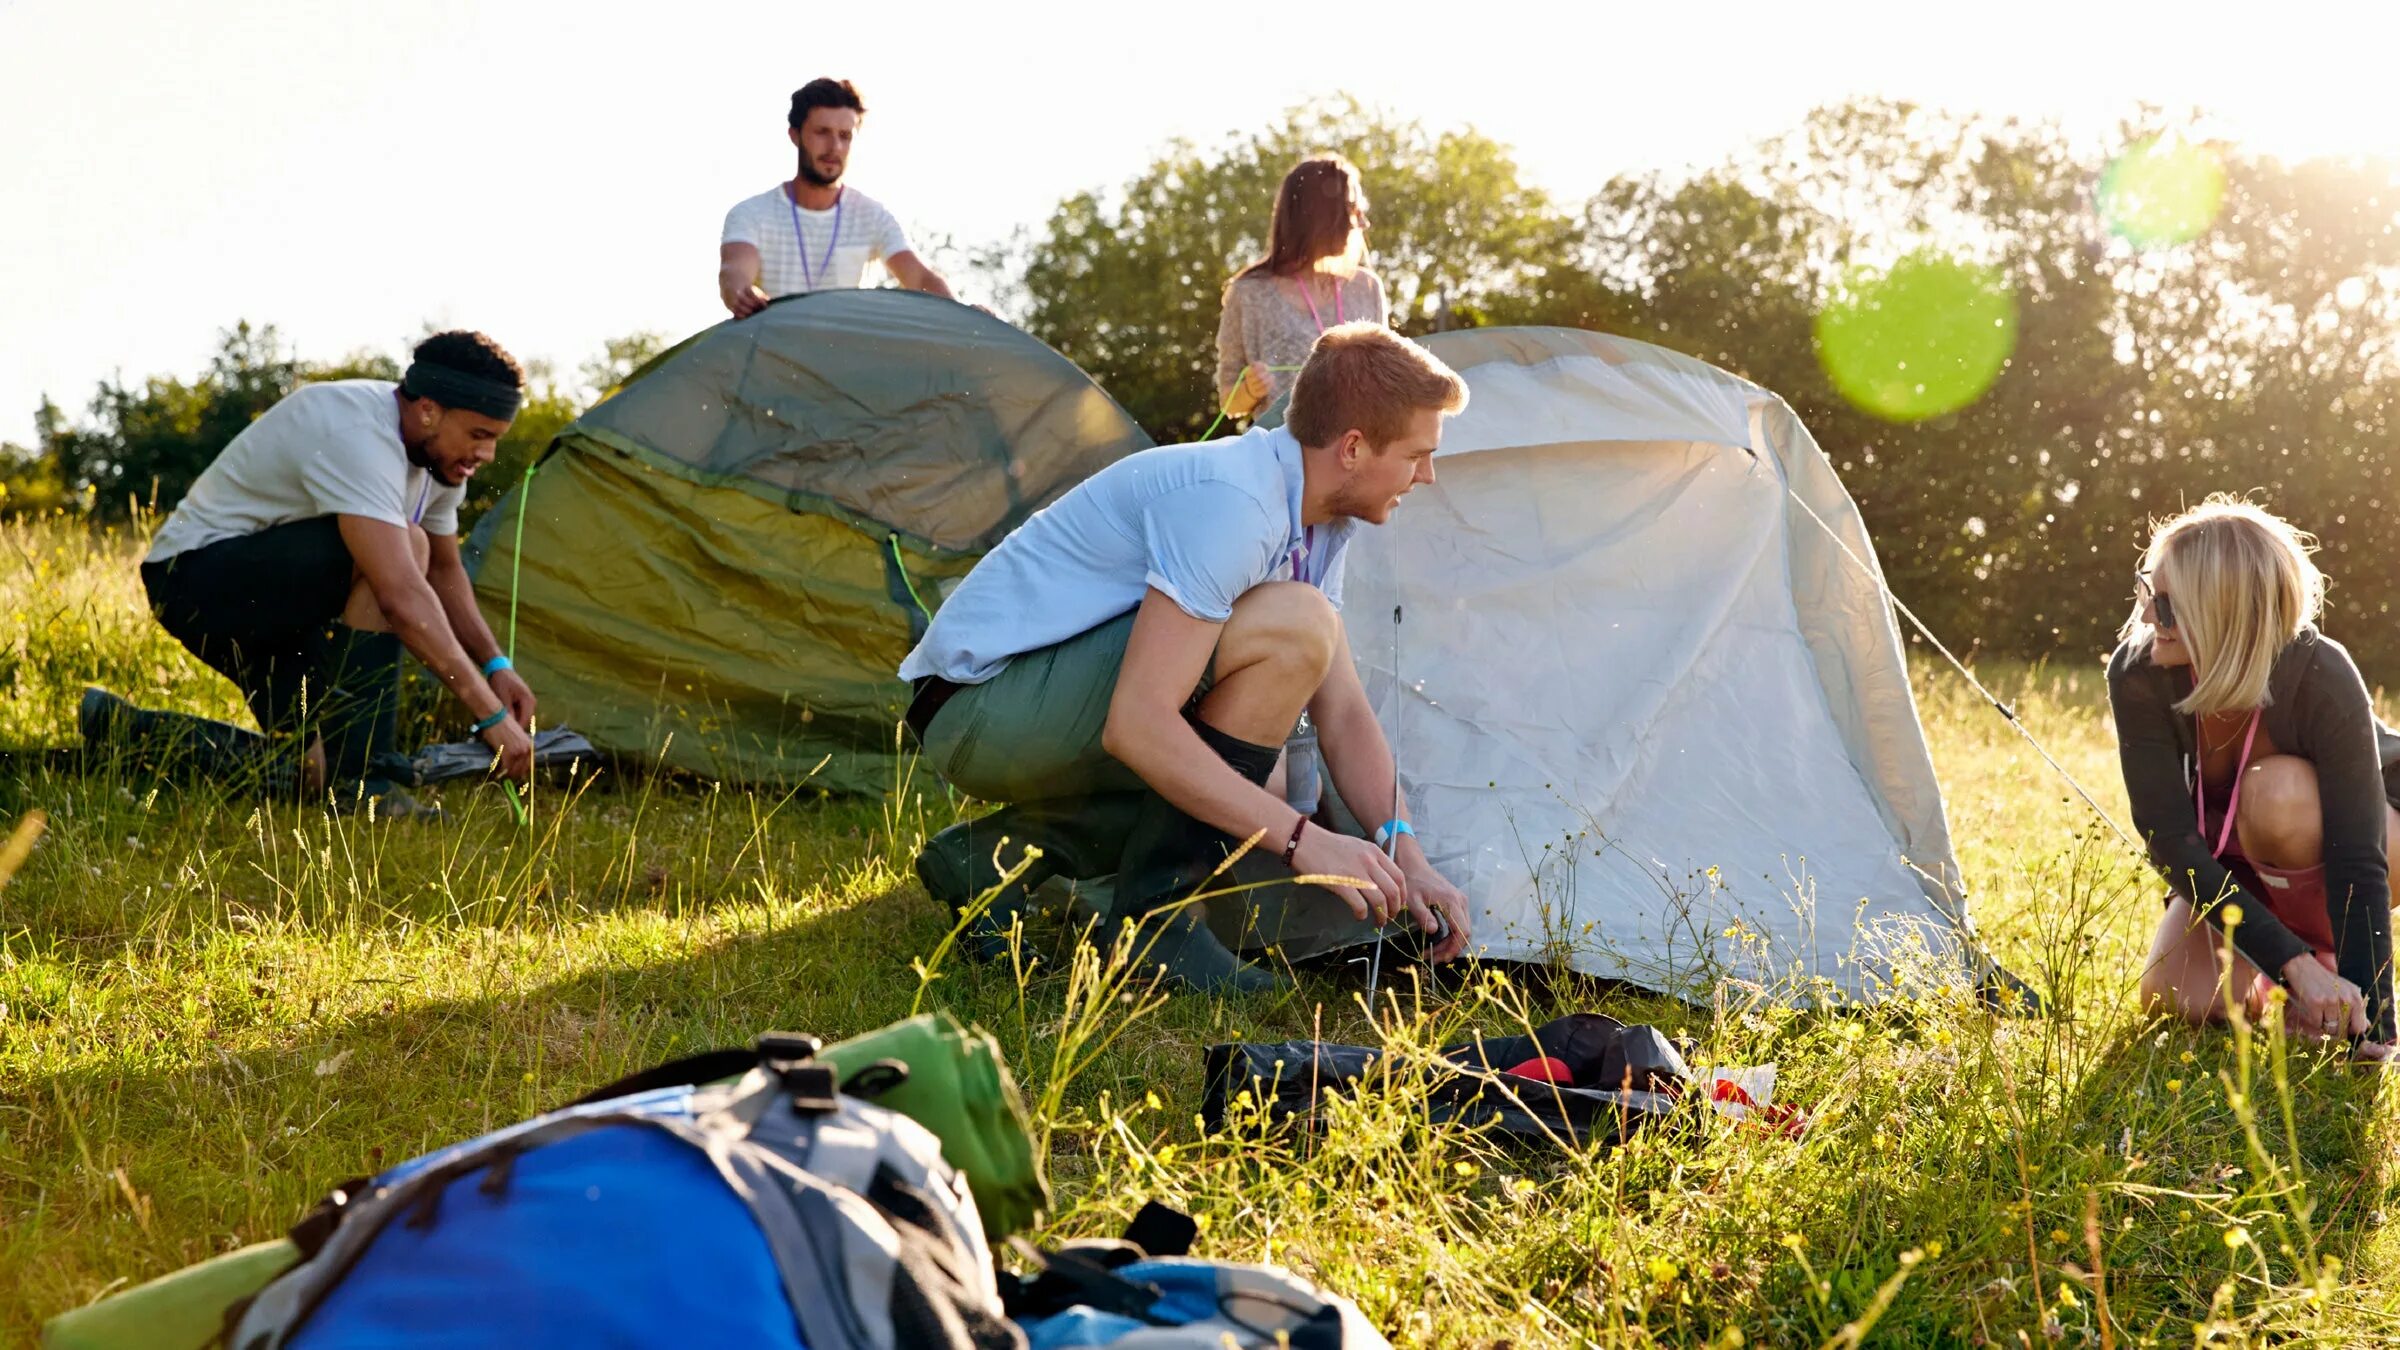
<point>809,278</point>
<point>1305,551</point>
<point>423,497</point>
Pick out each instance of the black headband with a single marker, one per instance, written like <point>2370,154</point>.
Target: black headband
<point>458,389</point>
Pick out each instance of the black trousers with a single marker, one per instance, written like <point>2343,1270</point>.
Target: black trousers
<point>263,610</point>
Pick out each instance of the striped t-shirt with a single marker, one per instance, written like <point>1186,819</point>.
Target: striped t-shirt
<point>779,230</point>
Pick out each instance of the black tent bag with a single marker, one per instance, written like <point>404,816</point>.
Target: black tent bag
<point>1621,1077</point>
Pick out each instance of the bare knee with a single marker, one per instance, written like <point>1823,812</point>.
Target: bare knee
<point>1288,623</point>
<point>2162,995</point>
<point>2282,820</point>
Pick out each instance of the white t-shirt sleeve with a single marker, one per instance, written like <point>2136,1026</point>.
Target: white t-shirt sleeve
<point>441,510</point>
<point>741,224</point>
<point>1207,544</point>
<point>887,239</point>
<point>346,475</point>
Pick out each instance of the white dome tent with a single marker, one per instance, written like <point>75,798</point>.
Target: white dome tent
<point>1648,684</point>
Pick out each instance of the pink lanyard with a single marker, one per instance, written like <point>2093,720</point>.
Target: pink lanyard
<point>1313,316</point>
<point>2233,804</point>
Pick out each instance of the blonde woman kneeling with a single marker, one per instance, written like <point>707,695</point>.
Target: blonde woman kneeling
<point>2260,776</point>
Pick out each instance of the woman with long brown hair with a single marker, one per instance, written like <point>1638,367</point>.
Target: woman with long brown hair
<point>2261,779</point>
<point>1313,277</point>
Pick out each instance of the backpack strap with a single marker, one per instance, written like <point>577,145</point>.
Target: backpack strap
<point>690,1071</point>
<point>1070,1276</point>
<point>774,1049</point>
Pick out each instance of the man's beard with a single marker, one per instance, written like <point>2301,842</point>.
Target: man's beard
<point>809,174</point>
<point>418,457</point>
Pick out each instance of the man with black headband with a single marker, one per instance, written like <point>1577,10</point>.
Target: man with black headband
<point>322,540</point>
<point>815,233</point>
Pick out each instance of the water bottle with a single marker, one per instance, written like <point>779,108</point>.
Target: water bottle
<point>1301,774</point>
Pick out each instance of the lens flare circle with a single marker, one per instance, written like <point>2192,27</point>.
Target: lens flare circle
<point>2163,192</point>
<point>1926,337</point>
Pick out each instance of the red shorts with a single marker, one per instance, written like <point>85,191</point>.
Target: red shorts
<point>2297,898</point>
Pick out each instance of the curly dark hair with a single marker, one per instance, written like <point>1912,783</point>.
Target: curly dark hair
<point>471,353</point>
<point>825,93</point>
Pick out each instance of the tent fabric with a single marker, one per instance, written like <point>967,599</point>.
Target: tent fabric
<point>896,409</point>
<point>724,562</point>
<point>1640,696</point>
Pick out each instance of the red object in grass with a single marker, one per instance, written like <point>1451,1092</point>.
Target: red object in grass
<point>1782,1118</point>
<point>1544,1069</point>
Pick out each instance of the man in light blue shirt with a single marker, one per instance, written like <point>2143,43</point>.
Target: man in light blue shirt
<point>1124,667</point>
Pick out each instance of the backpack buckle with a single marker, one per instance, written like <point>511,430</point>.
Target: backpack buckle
<point>810,1085</point>
<point>791,1057</point>
<point>786,1045</point>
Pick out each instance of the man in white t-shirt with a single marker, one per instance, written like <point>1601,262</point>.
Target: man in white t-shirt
<point>815,232</point>
<point>321,540</point>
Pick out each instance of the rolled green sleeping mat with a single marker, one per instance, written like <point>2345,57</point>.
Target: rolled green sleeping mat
<point>959,1088</point>
<point>181,1311</point>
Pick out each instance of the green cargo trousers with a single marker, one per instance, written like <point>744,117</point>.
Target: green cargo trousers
<point>1032,733</point>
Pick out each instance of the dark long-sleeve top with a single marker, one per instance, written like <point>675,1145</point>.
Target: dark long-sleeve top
<point>2318,709</point>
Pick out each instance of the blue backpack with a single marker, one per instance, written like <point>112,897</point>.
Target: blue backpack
<point>774,1212</point>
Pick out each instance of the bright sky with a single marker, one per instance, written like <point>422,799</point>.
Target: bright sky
<point>555,172</point>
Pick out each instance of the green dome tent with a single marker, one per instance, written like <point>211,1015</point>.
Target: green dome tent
<point>719,566</point>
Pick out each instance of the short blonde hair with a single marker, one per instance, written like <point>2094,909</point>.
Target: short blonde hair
<point>1367,378</point>
<point>2243,587</point>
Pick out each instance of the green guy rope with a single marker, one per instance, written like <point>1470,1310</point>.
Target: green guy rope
<point>516,555</point>
<point>516,561</point>
<point>1226,409</point>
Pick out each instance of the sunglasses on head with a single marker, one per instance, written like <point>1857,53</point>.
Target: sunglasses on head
<point>2164,604</point>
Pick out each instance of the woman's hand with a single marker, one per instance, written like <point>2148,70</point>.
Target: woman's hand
<point>1248,392</point>
<point>2323,1004</point>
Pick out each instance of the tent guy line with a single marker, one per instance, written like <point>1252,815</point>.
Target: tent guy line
<point>1961,667</point>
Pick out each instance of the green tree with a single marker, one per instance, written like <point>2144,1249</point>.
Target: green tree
<point>619,358</point>
<point>2258,357</point>
<point>147,443</point>
<point>29,482</point>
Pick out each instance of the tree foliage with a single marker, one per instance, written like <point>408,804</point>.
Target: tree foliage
<point>1127,282</point>
<point>144,445</point>
<point>2260,356</point>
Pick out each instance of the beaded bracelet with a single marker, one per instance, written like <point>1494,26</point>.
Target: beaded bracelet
<point>1292,845</point>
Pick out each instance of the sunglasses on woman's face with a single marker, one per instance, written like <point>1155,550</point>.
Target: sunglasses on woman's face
<point>2164,605</point>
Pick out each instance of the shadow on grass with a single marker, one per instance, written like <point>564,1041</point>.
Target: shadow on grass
<point>169,1147</point>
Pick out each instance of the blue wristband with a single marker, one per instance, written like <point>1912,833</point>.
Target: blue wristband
<point>488,723</point>
<point>1391,830</point>
<point>497,664</point>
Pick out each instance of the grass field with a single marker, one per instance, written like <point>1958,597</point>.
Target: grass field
<point>210,1010</point>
